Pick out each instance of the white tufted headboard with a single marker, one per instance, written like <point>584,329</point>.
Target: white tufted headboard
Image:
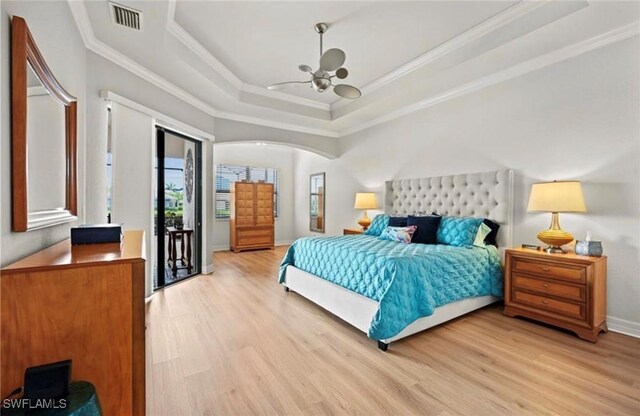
<point>486,195</point>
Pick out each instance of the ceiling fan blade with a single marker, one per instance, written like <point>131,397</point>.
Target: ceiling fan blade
<point>342,73</point>
<point>332,59</point>
<point>282,85</point>
<point>347,91</point>
<point>305,68</point>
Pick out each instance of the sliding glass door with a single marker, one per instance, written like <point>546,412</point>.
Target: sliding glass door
<point>177,211</point>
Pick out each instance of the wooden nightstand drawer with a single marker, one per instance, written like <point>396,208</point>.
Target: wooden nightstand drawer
<point>567,291</point>
<point>573,310</point>
<point>567,272</point>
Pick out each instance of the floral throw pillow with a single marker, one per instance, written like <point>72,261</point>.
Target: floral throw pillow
<point>399,234</point>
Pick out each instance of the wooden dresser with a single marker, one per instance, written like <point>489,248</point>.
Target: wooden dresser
<point>565,290</point>
<point>251,224</point>
<point>84,303</point>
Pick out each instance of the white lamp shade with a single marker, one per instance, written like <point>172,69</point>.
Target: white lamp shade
<point>557,197</point>
<point>366,200</point>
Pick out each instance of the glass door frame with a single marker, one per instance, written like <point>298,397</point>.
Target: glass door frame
<point>160,219</point>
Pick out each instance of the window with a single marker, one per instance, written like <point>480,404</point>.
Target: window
<point>227,174</point>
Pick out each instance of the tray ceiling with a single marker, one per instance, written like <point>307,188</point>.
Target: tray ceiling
<point>219,56</point>
<point>264,42</point>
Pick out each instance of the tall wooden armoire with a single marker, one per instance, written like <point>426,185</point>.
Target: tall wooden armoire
<point>252,222</point>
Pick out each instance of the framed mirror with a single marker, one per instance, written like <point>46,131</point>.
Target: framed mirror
<point>43,138</point>
<point>316,203</point>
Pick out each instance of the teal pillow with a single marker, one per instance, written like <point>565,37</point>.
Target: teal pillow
<point>379,223</point>
<point>458,231</point>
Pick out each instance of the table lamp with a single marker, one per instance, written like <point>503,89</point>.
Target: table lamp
<point>555,197</point>
<point>365,201</point>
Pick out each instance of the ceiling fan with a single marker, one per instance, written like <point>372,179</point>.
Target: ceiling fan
<point>331,60</point>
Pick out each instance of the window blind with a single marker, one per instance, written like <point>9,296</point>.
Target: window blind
<point>227,174</point>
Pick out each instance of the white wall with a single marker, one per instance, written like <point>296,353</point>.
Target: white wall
<point>575,120</point>
<point>341,185</point>
<point>55,33</point>
<point>132,191</point>
<point>270,156</point>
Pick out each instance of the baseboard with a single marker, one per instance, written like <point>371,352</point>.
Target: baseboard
<point>623,326</point>
<point>284,242</point>
<point>225,247</point>
<point>207,269</point>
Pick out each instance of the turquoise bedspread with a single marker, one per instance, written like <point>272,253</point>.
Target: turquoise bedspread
<point>407,280</point>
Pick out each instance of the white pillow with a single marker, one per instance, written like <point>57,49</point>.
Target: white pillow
<point>483,232</point>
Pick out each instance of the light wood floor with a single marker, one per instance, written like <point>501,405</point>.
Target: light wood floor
<point>234,343</point>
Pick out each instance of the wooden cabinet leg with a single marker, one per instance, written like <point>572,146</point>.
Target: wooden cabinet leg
<point>588,335</point>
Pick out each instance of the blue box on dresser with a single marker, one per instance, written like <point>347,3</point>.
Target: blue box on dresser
<point>96,233</point>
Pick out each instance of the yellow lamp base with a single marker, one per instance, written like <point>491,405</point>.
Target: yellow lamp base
<point>364,222</point>
<point>555,237</point>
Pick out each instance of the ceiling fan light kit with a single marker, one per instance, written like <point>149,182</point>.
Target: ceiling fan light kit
<point>330,61</point>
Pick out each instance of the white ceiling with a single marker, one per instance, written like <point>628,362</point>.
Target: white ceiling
<point>264,42</point>
<point>219,56</point>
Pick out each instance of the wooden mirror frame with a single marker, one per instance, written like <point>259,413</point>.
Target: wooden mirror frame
<point>321,205</point>
<point>24,51</point>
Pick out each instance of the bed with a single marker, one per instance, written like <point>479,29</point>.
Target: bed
<point>391,290</point>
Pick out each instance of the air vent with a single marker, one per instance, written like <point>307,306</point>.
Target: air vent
<point>126,16</point>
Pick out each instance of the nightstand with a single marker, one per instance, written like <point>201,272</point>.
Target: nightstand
<point>350,231</point>
<point>565,290</point>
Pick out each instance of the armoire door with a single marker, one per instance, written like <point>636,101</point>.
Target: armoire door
<point>264,204</point>
<point>244,215</point>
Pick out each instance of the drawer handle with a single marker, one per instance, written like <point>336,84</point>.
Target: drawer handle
<point>545,269</point>
<point>545,285</point>
<point>545,302</point>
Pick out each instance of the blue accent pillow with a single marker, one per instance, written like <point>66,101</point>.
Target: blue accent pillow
<point>397,222</point>
<point>458,231</point>
<point>427,232</point>
<point>398,234</point>
<point>379,223</point>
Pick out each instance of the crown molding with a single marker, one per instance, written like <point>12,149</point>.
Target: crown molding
<point>501,19</point>
<point>493,23</point>
<point>559,55</point>
<point>196,47</point>
<point>186,39</point>
<point>275,124</point>
<point>254,89</point>
<point>161,119</point>
<point>83,23</point>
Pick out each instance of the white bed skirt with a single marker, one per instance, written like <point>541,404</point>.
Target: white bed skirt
<point>359,310</point>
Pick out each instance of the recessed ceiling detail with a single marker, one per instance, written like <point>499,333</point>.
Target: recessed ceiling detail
<point>255,40</point>
<point>223,67</point>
